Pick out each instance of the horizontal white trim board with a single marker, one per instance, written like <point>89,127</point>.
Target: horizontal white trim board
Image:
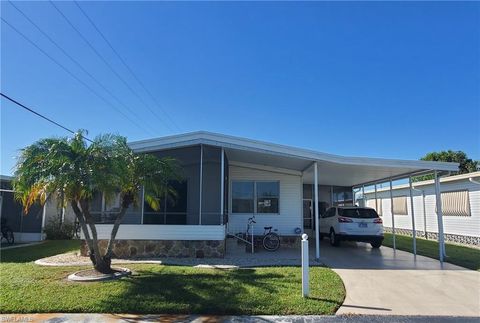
<point>162,232</point>
<point>27,236</point>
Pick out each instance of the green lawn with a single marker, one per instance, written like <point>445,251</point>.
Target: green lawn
<point>42,250</point>
<point>26,287</point>
<point>457,255</point>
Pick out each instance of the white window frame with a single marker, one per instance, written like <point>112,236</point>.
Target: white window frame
<point>255,211</point>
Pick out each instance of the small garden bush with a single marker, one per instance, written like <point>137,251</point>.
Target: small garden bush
<point>57,230</point>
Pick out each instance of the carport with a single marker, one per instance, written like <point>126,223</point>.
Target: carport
<point>358,173</point>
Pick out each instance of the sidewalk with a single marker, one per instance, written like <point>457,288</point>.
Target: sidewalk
<point>128,318</point>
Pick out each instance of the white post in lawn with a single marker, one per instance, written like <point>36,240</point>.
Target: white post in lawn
<point>317,225</point>
<point>222,184</point>
<point>414,234</point>
<point>305,266</point>
<point>441,243</point>
<point>393,217</point>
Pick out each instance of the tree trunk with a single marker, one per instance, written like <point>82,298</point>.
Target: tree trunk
<point>83,225</point>
<point>113,234</point>
<point>99,263</point>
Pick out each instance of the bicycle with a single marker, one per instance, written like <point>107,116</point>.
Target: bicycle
<point>7,232</point>
<point>270,240</point>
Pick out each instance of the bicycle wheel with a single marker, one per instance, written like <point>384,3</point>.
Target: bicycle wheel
<point>9,236</point>
<point>271,242</point>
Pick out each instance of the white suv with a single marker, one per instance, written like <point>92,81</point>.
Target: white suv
<point>353,224</point>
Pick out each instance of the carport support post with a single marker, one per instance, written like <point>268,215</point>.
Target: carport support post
<point>222,184</point>
<point>376,201</point>
<point>363,196</point>
<point>393,216</point>
<point>413,217</point>
<point>201,187</point>
<point>317,232</point>
<point>441,243</point>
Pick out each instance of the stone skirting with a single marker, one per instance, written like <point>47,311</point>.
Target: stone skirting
<point>163,248</point>
<point>460,239</point>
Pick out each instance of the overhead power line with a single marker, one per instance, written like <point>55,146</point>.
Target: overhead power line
<point>72,59</point>
<point>108,64</point>
<point>126,66</point>
<point>40,115</point>
<point>72,75</point>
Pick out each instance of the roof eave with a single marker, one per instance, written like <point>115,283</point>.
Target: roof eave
<point>220,140</point>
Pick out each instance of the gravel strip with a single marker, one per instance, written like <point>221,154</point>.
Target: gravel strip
<point>74,259</point>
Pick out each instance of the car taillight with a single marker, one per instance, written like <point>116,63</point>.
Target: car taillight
<point>341,219</point>
<point>378,220</point>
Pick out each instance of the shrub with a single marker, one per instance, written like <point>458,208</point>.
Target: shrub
<point>55,230</point>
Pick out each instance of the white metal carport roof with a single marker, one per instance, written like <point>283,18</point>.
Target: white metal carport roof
<point>332,169</point>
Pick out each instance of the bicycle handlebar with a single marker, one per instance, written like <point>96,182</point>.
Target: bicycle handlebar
<point>252,220</point>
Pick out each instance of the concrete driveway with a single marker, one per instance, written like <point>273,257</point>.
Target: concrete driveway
<point>384,281</point>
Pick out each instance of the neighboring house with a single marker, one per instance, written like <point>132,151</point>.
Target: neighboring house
<point>26,228</point>
<point>29,227</point>
<point>230,179</point>
<point>460,207</point>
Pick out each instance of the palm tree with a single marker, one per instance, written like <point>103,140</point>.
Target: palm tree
<point>79,170</point>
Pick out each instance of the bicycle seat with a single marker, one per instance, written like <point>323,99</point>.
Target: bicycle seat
<point>267,228</point>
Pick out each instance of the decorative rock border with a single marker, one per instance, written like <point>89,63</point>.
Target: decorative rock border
<point>50,261</point>
<point>121,272</point>
<point>467,241</point>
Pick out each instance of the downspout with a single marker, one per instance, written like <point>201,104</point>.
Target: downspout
<point>201,187</point>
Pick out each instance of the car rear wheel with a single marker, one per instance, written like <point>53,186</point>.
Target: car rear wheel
<point>334,241</point>
<point>376,244</point>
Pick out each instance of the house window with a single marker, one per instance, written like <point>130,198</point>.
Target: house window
<point>255,197</point>
<point>378,207</point>
<point>456,203</point>
<point>243,197</point>
<point>172,210</point>
<point>400,205</point>
<point>267,197</point>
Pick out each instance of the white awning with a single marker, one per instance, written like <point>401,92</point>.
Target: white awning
<point>332,169</point>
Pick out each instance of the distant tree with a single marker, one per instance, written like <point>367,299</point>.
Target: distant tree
<point>467,165</point>
<point>77,170</point>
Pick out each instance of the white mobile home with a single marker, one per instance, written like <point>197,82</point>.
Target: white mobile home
<point>230,179</point>
<point>460,197</point>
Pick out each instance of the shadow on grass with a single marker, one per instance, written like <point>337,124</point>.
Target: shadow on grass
<point>207,291</point>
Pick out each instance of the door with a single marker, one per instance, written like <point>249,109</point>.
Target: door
<point>308,224</point>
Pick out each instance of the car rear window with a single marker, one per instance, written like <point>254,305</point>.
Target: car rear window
<point>358,213</point>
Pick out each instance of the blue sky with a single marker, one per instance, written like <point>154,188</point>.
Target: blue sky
<point>378,79</point>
